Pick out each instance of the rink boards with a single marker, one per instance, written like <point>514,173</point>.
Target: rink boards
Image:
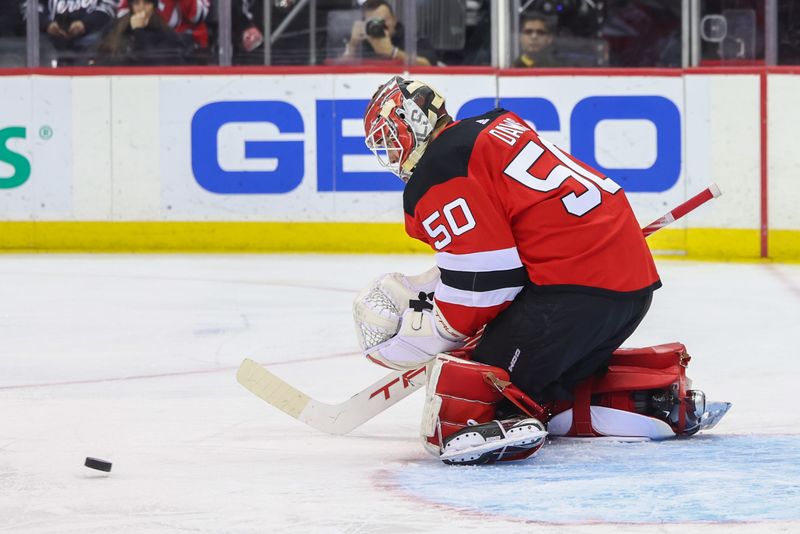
<point>274,160</point>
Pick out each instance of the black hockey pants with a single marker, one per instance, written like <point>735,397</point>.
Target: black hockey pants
<point>550,341</point>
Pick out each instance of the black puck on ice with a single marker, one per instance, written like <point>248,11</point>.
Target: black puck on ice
<point>97,463</point>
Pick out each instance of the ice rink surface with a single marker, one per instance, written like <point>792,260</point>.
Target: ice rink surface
<point>132,359</point>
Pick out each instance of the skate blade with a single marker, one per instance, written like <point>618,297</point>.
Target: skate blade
<point>609,439</point>
<point>715,411</point>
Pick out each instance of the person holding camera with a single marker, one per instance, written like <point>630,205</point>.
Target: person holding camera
<point>384,37</point>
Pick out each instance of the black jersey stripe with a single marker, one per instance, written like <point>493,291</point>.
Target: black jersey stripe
<point>599,291</point>
<point>447,157</point>
<point>486,280</point>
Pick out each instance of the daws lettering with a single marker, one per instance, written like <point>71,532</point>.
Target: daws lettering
<point>509,131</point>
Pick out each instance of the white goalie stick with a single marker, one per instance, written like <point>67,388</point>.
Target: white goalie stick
<point>331,418</point>
<point>341,418</point>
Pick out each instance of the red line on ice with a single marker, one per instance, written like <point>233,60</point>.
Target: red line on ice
<point>175,373</point>
<point>785,280</point>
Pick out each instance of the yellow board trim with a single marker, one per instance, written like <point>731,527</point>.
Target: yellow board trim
<point>708,243</point>
<point>47,236</point>
<point>785,244</point>
<point>205,237</point>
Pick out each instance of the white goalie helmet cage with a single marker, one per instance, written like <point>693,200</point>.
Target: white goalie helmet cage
<point>399,122</point>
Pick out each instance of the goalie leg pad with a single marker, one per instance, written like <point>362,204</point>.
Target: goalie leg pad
<point>462,393</point>
<point>456,393</point>
<point>645,393</point>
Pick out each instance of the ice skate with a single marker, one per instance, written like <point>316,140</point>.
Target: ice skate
<point>493,442</point>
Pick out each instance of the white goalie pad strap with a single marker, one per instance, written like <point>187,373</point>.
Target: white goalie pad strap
<point>614,423</point>
<point>430,424</point>
<point>429,412</point>
<point>433,405</point>
<point>377,309</point>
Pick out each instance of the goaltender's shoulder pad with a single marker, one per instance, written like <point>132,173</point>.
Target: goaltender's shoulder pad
<point>446,157</point>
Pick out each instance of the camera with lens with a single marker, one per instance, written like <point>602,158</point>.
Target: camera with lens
<point>376,28</point>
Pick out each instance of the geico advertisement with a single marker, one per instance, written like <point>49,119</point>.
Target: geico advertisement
<point>292,148</point>
<point>35,147</point>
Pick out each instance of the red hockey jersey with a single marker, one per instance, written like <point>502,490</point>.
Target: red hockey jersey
<point>183,16</point>
<point>503,207</point>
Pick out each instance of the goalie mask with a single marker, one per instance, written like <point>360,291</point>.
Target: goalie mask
<point>399,122</point>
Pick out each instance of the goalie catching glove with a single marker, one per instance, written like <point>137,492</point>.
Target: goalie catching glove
<point>397,324</point>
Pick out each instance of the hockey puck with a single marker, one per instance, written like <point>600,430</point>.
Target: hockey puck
<point>97,463</point>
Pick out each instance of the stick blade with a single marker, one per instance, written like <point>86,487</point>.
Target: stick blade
<point>293,402</point>
<point>271,389</point>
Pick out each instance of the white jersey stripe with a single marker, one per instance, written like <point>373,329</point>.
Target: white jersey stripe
<point>492,260</point>
<point>475,299</point>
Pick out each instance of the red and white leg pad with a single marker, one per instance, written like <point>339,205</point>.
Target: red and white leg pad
<point>463,394</point>
<point>644,394</point>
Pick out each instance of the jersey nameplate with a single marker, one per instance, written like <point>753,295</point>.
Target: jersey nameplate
<point>509,131</point>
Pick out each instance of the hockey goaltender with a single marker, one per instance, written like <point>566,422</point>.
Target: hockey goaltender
<point>542,272</point>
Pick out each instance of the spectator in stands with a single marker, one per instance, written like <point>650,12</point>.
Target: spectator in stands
<point>536,41</point>
<point>12,34</point>
<point>186,17</point>
<point>141,37</point>
<point>76,27</point>
<point>248,36</point>
<point>384,35</point>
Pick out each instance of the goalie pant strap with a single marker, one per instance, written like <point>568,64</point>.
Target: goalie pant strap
<point>529,407</point>
<point>581,411</point>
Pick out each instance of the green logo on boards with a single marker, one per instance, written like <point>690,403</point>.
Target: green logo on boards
<point>20,166</point>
